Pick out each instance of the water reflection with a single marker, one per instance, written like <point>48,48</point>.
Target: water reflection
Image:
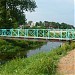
<point>27,53</point>
<point>45,48</point>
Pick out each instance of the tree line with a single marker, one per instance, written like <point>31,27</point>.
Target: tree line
<point>48,25</point>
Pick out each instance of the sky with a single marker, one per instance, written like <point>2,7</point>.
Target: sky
<point>53,10</point>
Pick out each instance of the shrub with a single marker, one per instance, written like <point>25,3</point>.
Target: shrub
<point>39,64</point>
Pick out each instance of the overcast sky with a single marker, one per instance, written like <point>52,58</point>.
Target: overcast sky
<point>53,10</point>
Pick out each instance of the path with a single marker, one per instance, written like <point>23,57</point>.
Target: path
<point>66,65</point>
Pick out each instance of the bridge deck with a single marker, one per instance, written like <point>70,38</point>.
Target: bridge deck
<point>46,34</point>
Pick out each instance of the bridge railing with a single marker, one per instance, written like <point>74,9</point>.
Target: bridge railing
<point>39,33</point>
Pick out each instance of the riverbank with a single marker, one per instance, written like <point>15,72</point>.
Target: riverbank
<point>15,45</point>
<point>40,64</point>
<point>10,49</point>
<point>66,65</point>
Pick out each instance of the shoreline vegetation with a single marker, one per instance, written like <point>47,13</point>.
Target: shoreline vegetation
<point>39,64</point>
<point>11,49</point>
<point>18,45</point>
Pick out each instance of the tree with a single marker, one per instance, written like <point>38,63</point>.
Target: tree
<point>37,24</point>
<point>12,11</point>
<point>41,23</point>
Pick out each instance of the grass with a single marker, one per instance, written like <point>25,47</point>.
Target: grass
<point>17,45</point>
<point>39,64</point>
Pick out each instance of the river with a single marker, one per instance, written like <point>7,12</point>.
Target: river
<point>45,48</point>
<point>27,53</point>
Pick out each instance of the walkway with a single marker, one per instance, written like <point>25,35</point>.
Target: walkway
<point>66,65</point>
<point>51,34</point>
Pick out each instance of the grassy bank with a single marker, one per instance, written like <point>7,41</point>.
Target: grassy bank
<point>17,45</point>
<point>10,49</point>
<point>40,64</point>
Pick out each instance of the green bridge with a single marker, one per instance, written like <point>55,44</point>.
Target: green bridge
<point>50,34</point>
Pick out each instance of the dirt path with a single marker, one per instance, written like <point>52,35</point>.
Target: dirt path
<point>66,65</point>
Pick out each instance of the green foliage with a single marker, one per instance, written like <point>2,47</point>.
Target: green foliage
<point>72,45</point>
<point>55,25</point>
<point>12,12</point>
<point>17,45</point>
<point>39,64</point>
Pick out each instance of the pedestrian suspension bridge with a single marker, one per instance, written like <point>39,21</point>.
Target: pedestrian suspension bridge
<point>46,34</point>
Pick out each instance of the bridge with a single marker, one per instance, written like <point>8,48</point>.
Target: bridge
<point>46,34</point>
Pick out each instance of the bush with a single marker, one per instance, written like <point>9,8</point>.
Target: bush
<point>72,45</point>
<point>39,64</point>
<point>17,45</point>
